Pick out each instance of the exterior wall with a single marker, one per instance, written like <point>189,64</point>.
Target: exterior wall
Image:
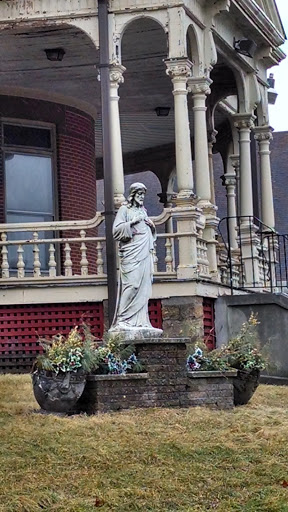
<point>75,161</point>
<point>183,316</point>
<point>76,175</point>
<point>272,313</point>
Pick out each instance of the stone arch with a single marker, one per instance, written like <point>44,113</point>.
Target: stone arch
<point>126,25</point>
<point>192,45</point>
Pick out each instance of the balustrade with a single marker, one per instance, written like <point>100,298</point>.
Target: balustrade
<point>72,251</point>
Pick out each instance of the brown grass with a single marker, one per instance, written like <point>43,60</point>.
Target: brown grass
<point>143,460</point>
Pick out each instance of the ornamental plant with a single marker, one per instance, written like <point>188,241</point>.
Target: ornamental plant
<point>72,353</point>
<point>242,352</point>
<point>78,351</point>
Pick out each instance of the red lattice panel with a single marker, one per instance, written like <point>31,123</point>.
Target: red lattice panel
<point>209,323</point>
<point>155,313</point>
<point>20,327</point>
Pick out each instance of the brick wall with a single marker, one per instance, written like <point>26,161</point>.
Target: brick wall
<point>75,159</point>
<point>165,383</point>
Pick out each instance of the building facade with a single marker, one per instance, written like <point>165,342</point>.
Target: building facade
<point>186,80</point>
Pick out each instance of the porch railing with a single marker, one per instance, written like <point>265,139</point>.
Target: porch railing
<point>259,258</point>
<point>75,250</point>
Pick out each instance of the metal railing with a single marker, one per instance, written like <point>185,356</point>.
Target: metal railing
<point>256,258</point>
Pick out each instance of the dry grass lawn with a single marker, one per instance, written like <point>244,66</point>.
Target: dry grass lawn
<point>143,460</point>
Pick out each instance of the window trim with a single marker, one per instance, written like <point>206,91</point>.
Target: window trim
<point>32,150</point>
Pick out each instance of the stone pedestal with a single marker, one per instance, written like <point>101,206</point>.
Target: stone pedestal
<point>165,383</point>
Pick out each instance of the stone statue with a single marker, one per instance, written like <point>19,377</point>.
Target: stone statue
<point>136,234</point>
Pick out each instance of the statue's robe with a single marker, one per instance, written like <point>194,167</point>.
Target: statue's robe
<point>136,268</point>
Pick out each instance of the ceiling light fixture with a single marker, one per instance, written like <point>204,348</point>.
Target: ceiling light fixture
<point>162,111</point>
<point>55,54</point>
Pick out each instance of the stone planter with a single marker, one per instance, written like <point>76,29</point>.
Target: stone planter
<point>245,384</point>
<point>212,389</point>
<point>58,393</point>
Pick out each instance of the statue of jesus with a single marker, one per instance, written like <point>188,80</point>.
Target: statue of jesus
<point>136,234</point>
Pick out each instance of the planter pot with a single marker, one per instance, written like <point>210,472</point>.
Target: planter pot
<point>245,384</point>
<point>58,393</point>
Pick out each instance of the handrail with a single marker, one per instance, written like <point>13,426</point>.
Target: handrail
<point>60,225</point>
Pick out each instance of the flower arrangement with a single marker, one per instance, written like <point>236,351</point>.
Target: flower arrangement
<point>203,360</point>
<point>242,352</point>
<point>78,351</point>
<point>73,353</point>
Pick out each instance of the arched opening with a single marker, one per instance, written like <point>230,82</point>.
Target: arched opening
<point>192,50</point>
<point>147,137</point>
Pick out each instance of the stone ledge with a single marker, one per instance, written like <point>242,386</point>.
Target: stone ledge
<point>200,374</point>
<point>160,341</point>
<point>129,376</point>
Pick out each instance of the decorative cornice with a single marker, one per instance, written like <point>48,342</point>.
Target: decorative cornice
<point>259,18</point>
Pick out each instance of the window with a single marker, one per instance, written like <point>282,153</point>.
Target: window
<point>29,184</point>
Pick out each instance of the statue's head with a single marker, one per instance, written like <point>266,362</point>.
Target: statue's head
<point>135,188</point>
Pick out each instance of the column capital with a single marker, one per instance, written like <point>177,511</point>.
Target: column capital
<point>244,121</point>
<point>178,69</point>
<point>199,85</point>
<point>116,74</point>
<point>262,133</point>
<point>212,136</point>
<point>229,179</point>
<point>235,161</point>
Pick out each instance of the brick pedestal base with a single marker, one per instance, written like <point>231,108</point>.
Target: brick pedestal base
<point>165,383</point>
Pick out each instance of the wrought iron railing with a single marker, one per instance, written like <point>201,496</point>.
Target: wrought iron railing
<point>256,258</point>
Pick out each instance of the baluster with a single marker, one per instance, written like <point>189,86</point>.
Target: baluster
<point>37,264</point>
<point>68,261</point>
<point>169,258</point>
<point>52,261</point>
<point>83,250</point>
<point>99,261</point>
<point>4,252</point>
<point>155,259</point>
<point>20,262</point>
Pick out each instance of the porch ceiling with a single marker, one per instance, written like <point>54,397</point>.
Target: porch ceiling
<point>25,70</point>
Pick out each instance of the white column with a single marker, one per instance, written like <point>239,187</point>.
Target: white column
<point>229,181</point>
<point>248,240</point>
<point>116,78</point>
<point>263,135</point>
<point>244,123</point>
<point>199,87</point>
<point>211,142</point>
<point>179,69</point>
<point>235,162</point>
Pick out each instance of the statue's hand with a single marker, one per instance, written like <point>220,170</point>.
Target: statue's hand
<point>150,223</point>
<point>136,220</point>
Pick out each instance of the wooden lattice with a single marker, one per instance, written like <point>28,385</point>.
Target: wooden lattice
<point>155,313</point>
<point>20,327</point>
<point>209,323</point>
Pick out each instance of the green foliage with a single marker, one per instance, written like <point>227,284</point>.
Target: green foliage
<point>77,351</point>
<point>242,352</point>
